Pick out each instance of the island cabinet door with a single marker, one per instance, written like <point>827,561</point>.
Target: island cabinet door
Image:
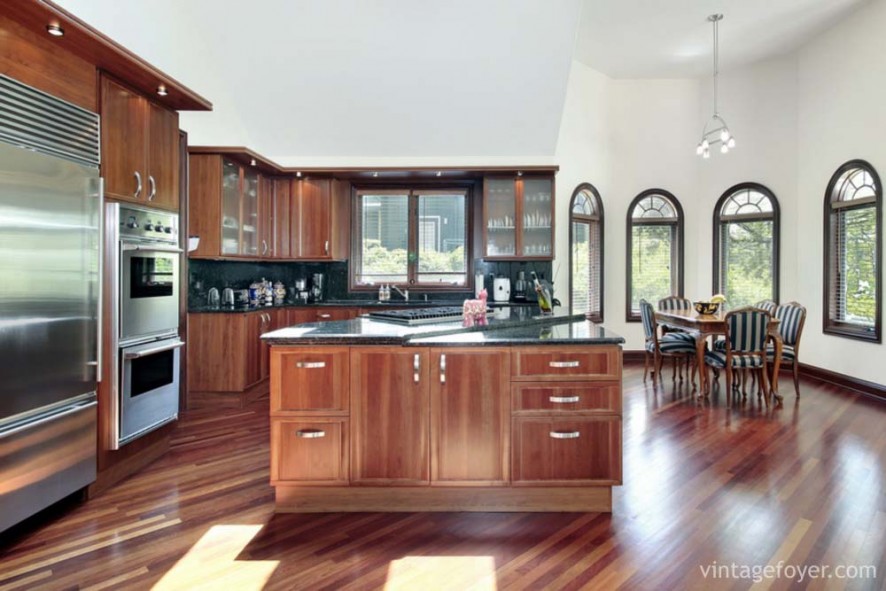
<point>309,380</point>
<point>566,450</point>
<point>309,451</point>
<point>470,416</point>
<point>389,416</point>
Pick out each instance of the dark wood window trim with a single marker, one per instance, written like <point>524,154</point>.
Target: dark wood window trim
<point>831,325</point>
<point>600,219</point>
<point>413,189</point>
<point>719,220</point>
<point>676,257</point>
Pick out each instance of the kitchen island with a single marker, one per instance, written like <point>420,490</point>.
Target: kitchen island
<point>521,415</point>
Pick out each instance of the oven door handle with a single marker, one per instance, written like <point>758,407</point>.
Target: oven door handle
<point>152,247</point>
<point>160,349</point>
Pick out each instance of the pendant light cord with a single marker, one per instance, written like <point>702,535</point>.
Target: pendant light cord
<point>716,63</point>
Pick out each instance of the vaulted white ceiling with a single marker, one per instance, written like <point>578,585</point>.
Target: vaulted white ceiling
<point>673,39</point>
<point>363,82</point>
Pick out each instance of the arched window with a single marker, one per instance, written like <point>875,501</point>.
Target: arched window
<point>586,252</point>
<point>852,265</point>
<point>655,249</point>
<point>746,231</point>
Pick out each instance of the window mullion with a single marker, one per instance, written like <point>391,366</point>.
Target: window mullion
<point>412,239</point>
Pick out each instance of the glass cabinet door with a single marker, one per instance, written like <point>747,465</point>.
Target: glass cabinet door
<point>230,223</point>
<point>250,213</point>
<point>536,220</point>
<point>500,213</point>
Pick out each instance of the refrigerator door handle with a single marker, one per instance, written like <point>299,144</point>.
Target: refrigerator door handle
<point>46,418</point>
<point>100,325</point>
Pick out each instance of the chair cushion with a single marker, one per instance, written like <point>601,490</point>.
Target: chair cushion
<point>673,345</point>
<point>718,359</point>
<point>720,345</point>
<point>787,352</point>
<point>683,336</point>
<point>789,327</point>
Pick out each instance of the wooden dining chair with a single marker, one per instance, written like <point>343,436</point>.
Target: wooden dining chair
<point>671,303</point>
<point>747,331</point>
<point>767,305</point>
<point>675,345</point>
<point>792,318</point>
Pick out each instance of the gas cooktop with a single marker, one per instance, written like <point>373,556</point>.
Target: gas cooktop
<point>418,316</point>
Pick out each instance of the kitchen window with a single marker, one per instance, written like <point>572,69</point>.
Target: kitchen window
<point>654,249</point>
<point>586,252</point>
<point>413,237</point>
<point>852,266</point>
<point>746,232</point>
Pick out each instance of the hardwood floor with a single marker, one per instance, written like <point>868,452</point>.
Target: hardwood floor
<point>804,484</point>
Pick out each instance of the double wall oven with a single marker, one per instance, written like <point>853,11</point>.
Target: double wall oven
<point>145,262</point>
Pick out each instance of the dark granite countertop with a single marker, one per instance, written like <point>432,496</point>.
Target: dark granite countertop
<point>514,325</point>
<point>204,309</point>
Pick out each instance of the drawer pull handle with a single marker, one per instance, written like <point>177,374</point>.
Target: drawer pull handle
<point>561,364</point>
<point>310,433</point>
<point>564,434</point>
<point>310,364</point>
<point>416,366</point>
<point>443,369</point>
<point>324,316</point>
<point>564,399</point>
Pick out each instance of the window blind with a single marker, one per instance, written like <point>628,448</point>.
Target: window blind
<point>653,263</point>
<point>746,262</point>
<point>853,259</point>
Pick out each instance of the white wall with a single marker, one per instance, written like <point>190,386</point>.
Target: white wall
<point>842,90</point>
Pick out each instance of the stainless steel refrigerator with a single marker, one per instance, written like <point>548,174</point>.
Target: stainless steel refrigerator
<point>50,282</point>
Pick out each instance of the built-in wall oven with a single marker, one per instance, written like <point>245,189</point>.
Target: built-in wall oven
<point>146,259</point>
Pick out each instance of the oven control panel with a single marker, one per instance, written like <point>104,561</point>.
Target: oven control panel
<point>148,224</point>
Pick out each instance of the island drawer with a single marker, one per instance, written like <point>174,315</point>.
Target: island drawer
<point>566,363</point>
<point>310,451</point>
<point>602,397</point>
<point>310,379</point>
<point>566,450</point>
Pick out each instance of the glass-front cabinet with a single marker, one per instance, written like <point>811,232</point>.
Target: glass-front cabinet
<point>239,210</point>
<point>518,217</point>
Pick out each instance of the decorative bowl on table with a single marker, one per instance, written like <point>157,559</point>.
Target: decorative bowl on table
<point>707,308</point>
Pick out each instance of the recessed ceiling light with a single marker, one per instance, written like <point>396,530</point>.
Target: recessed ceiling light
<point>161,90</point>
<point>519,173</point>
<point>439,173</point>
<point>298,174</point>
<point>375,174</point>
<point>252,162</point>
<point>55,30</point>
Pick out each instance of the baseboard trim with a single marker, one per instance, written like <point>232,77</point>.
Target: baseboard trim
<point>865,387</point>
<point>871,389</point>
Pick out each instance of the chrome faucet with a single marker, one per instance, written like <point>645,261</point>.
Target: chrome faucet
<point>404,294</point>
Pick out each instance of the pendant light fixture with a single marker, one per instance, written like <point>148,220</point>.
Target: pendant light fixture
<point>715,131</point>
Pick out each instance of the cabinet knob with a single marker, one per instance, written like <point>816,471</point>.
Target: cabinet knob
<point>563,364</point>
<point>310,433</point>
<point>564,399</point>
<point>564,434</point>
<point>138,184</point>
<point>310,364</point>
<point>153,185</point>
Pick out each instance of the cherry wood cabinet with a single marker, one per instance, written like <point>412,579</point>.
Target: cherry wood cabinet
<point>309,451</point>
<point>140,148</point>
<point>321,314</point>
<point>518,217</point>
<point>470,416</point>
<point>320,219</point>
<point>284,236</point>
<point>389,416</point>
<point>314,381</point>
<point>267,230</point>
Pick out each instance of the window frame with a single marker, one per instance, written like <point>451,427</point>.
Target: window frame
<point>414,190</point>
<point>677,276</point>
<point>588,219</point>
<point>830,325</point>
<point>716,279</point>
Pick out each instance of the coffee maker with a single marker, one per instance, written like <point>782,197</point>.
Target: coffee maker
<point>318,286</point>
<point>520,287</point>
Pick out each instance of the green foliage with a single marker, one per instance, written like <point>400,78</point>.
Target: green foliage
<point>378,260</point>
<point>747,252</point>
<point>580,278</point>
<point>859,270</point>
<point>650,264</point>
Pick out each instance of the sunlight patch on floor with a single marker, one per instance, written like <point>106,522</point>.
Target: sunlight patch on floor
<point>212,562</point>
<point>442,572</point>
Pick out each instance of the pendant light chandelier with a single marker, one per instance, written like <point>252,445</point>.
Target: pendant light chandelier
<point>715,131</point>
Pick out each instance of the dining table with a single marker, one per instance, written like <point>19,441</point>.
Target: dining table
<point>714,325</point>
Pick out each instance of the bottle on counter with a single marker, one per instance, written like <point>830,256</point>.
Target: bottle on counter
<point>544,296</point>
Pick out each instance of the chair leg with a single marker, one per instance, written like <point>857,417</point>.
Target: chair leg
<point>764,378</point>
<point>744,383</point>
<point>796,369</point>
<point>674,370</point>
<point>645,364</point>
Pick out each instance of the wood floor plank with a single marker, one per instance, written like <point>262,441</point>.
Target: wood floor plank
<point>704,485</point>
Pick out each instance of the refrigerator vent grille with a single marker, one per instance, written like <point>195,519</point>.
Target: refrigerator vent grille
<point>38,121</point>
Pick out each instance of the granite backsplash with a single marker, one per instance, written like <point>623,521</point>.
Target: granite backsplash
<point>206,274</point>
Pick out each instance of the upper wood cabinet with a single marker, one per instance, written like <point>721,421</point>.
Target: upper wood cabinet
<point>320,219</point>
<point>284,235</point>
<point>140,148</point>
<point>518,217</point>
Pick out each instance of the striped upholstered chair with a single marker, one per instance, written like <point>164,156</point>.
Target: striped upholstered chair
<point>792,317</point>
<point>747,331</point>
<point>767,305</point>
<point>674,303</point>
<point>677,303</point>
<point>675,345</point>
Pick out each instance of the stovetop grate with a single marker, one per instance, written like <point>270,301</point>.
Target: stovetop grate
<point>412,317</point>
